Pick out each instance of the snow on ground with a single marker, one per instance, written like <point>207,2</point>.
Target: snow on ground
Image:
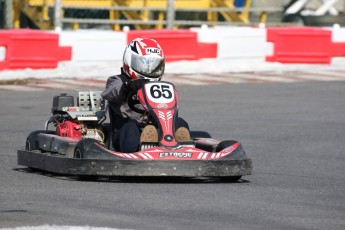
<point>102,70</point>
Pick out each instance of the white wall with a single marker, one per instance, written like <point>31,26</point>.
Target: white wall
<point>89,45</point>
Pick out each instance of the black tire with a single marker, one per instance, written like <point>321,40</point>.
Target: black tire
<point>31,141</point>
<point>80,152</point>
<point>82,147</point>
<point>222,145</point>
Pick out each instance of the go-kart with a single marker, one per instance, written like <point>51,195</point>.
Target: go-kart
<point>81,141</point>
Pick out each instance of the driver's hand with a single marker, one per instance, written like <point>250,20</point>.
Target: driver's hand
<point>136,84</point>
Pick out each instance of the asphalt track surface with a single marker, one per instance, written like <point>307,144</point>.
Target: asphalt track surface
<point>294,133</point>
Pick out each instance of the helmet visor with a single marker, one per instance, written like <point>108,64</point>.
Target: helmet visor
<point>151,66</point>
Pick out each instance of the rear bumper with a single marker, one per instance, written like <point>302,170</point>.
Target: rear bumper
<point>100,167</point>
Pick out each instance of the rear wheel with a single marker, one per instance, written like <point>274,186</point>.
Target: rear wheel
<point>32,142</point>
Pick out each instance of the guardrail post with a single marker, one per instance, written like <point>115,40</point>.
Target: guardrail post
<point>170,14</point>
<point>9,14</point>
<point>58,15</point>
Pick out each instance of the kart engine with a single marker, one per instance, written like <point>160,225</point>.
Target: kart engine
<point>81,121</point>
<point>69,129</point>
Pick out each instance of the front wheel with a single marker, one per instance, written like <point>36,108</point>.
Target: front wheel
<point>224,144</point>
<point>80,150</point>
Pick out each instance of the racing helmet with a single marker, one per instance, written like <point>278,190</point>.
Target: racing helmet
<point>144,58</point>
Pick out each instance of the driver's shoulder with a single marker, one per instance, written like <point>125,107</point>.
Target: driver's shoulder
<point>117,78</point>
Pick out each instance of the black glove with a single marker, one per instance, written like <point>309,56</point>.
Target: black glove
<point>135,85</point>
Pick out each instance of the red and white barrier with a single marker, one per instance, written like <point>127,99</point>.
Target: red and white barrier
<point>178,44</point>
<point>94,45</point>
<point>237,42</point>
<point>31,49</point>
<point>302,45</point>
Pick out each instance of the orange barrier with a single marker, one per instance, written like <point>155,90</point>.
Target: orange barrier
<point>32,49</point>
<point>178,44</point>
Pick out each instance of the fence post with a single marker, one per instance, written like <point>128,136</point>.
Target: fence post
<point>58,15</point>
<point>9,14</point>
<point>170,14</point>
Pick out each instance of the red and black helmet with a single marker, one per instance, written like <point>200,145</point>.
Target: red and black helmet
<point>144,58</point>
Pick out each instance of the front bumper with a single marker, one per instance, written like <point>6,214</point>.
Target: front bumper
<point>104,167</point>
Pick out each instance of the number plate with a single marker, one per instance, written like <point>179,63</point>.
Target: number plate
<point>160,92</point>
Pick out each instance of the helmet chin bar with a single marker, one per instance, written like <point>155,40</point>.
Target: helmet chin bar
<point>143,76</point>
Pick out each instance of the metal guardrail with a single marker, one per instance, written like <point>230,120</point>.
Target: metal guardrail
<point>211,9</point>
<point>157,22</point>
<point>170,10</point>
<point>169,23</point>
<point>166,19</point>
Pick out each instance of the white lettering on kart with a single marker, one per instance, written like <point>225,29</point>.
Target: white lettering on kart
<point>175,155</point>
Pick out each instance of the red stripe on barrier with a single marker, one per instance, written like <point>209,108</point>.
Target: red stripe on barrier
<point>300,45</point>
<point>32,49</point>
<point>338,49</point>
<point>177,44</point>
<point>207,50</point>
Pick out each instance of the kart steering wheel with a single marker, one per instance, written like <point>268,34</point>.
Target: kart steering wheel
<point>133,100</point>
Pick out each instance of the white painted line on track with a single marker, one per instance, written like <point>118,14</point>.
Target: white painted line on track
<point>186,79</point>
<point>256,78</point>
<point>322,76</point>
<point>318,78</point>
<point>178,80</point>
<point>83,82</point>
<point>209,79</point>
<point>19,88</point>
<point>248,78</point>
